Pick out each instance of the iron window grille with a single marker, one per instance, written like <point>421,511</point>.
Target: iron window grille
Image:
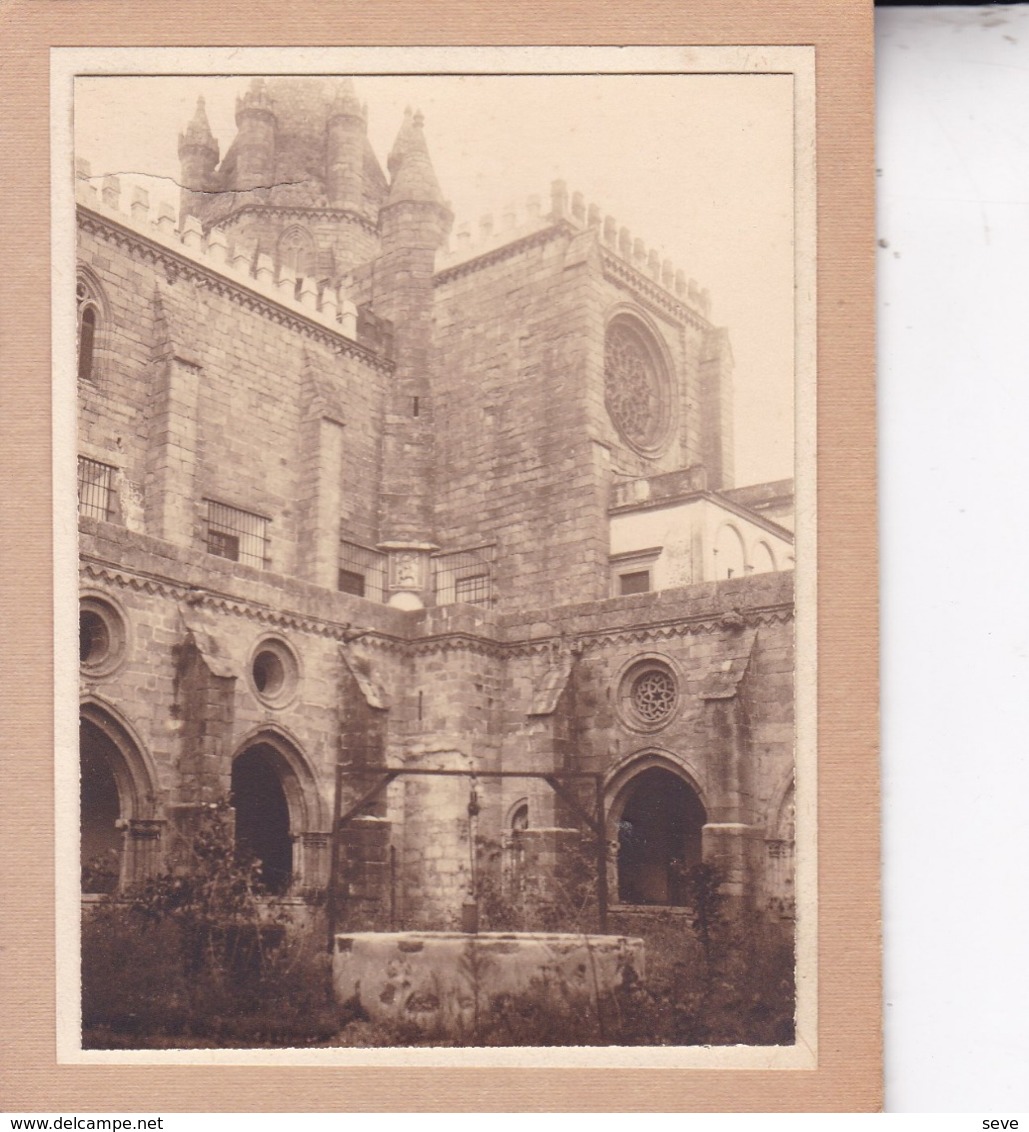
<point>464,575</point>
<point>96,488</point>
<point>362,571</point>
<point>237,535</point>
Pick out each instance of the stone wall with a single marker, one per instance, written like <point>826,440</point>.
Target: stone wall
<point>222,378</point>
<point>526,451</point>
<point>184,359</point>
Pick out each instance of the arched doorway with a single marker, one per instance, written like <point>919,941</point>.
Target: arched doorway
<point>101,810</point>
<point>659,835</point>
<point>262,815</point>
<point>119,834</point>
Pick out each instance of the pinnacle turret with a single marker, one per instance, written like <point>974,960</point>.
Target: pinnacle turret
<point>346,103</point>
<point>255,101</point>
<point>197,134</point>
<point>413,177</point>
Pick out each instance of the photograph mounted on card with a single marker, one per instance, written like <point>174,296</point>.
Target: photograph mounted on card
<point>442,584</point>
<point>463,482</point>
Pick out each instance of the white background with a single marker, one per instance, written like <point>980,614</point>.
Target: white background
<point>953,154</point>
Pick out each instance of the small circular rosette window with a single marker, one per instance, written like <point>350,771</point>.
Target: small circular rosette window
<point>648,695</point>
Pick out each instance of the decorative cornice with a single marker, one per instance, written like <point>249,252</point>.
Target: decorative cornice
<point>504,251</point>
<point>296,211</point>
<point>650,294</point>
<point>98,570</point>
<point>175,265</point>
<point>685,627</point>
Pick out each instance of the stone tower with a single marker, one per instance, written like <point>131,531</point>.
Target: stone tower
<point>198,155</point>
<point>299,181</point>
<point>414,223</point>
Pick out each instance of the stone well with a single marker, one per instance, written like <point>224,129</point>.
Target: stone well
<point>440,980</point>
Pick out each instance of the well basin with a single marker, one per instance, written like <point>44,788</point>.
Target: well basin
<point>441,981</point>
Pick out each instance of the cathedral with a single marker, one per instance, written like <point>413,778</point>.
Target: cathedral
<point>409,538</point>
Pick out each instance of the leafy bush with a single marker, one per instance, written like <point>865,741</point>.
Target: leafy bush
<point>198,957</point>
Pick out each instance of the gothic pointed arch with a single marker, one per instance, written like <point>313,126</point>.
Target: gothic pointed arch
<point>118,800</point>
<point>296,251</point>
<point>277,802</point>
<point>92,320</point>
<point>656,815</point>
<point>780,837</point>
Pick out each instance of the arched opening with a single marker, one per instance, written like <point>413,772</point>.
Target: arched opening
<point>762,559</point>
<point>659,836</point>
<point>87,338</point>
<point>90,324</point>
<point>101,809</point>
<point>119,840</point>
<point>297,253</point>
<point>729,555</point>
<point>262,816</point>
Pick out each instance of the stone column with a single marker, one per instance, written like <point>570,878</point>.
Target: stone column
<point>142,849</point>
<point>312,859</point>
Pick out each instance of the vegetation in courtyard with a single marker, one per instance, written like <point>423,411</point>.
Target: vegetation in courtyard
<point>199,956</point>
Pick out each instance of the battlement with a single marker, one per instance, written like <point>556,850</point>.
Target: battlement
<point>517,221</point>
<point>239,262</point>
<point>254,101</point>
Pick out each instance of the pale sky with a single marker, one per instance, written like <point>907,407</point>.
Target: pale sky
<point>698,166</point>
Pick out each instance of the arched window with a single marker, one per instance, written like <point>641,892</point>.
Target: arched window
<point>297,252</point>
<point>90,319</point>
<point>762,559</point>
<point>729,555</point>
<point>659,837</point>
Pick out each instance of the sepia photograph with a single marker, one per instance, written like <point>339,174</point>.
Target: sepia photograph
<point>445,540</point>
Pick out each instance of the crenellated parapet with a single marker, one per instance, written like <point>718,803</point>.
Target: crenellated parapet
<point>623,252</point>
<point>239,263</point>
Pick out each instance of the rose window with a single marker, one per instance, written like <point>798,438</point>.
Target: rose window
<point>648,695</point>
<point>635,389</point>
<point>653,696</point>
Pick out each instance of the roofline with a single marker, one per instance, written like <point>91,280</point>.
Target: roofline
<point>711,497</point>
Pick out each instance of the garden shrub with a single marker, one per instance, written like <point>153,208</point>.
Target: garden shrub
<point>199,956</point>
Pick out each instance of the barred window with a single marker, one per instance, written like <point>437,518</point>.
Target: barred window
<point>238,535</point>
<point>464,575</point>
<point>636,582</point>
<point>362,571</point>
<point>96,489</point>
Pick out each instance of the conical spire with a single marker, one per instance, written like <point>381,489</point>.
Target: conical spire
<point>346,101</point>
<point>410,165</point>
<point>198,133</point>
